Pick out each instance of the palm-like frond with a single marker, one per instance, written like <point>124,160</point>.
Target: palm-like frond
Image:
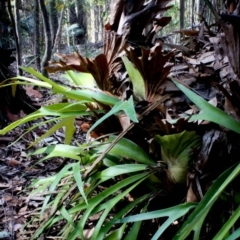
<point>152,66</point>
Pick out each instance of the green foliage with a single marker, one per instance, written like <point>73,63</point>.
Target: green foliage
<point>234,235</point>
<point>73,198</point>
<point>209,112</point>
<point>128,149</point>
<point>80,78</point>
<point>176,152</point>
<point>127,107</point>
<point>195,220</point>
<point>174,24</point>
<point>172,213</point>
<point>86,201</point>
<point>63,113</point>
<point>95,203</point>
<point>228,225</point>
<point>136,79</point>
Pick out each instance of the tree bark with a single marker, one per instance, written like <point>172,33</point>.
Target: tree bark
<point>96,23</point>
<point>36,35</point>
<point>72,18</point>
<point>18,35</point>
<point>92,23</point>
<point>81,20</point>
<point>12,99</point>
<point>59,31</point>
<point>53,19</point>
<point>48,38</point>
<point>182,11</point>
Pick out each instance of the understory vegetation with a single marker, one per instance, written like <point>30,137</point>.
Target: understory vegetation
<point>161,154</point>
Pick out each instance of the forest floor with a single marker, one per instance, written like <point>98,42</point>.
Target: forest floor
<point>18,167</point>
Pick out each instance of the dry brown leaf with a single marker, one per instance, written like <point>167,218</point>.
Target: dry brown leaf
<point>207,57</point>
<point>87,233</point>
<point>85,127</point>
<point>191,196</point>
<point>98,67</point>
<point>17,227</point>
<point>11,117</point>
<point>10,199</point>
<point>13,163</point>
<point>163,21</point>
<point>32,93</point>
<point>124,121</point>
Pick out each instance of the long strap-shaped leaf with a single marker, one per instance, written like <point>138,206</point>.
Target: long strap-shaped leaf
<point>210,113</point>
<point>228,225</point>
<point>196,218</point>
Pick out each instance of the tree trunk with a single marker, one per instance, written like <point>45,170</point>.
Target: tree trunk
<point>59,32</point>
<point>182,11</point>
<point>48,39</point>
<point>100,22</point>
<point>96,27</point>
<point>18,35</point>
<point>72,16</point>
<point>36,35</point>
<point>81,20</point>
<point>200,8</point>
<point>92,24</point>
<point>192,15</point>
<point>53,19</point>
<point>12,100</point>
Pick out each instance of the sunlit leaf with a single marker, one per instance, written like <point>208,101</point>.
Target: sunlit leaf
<point>60,150</point>
<point>135,78</point>
<point>79,78</point>
<point>81,94</point>
<point>69,129</point>
<point>117,170</point>
<point>55,110</point>
<point>33,81</point>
